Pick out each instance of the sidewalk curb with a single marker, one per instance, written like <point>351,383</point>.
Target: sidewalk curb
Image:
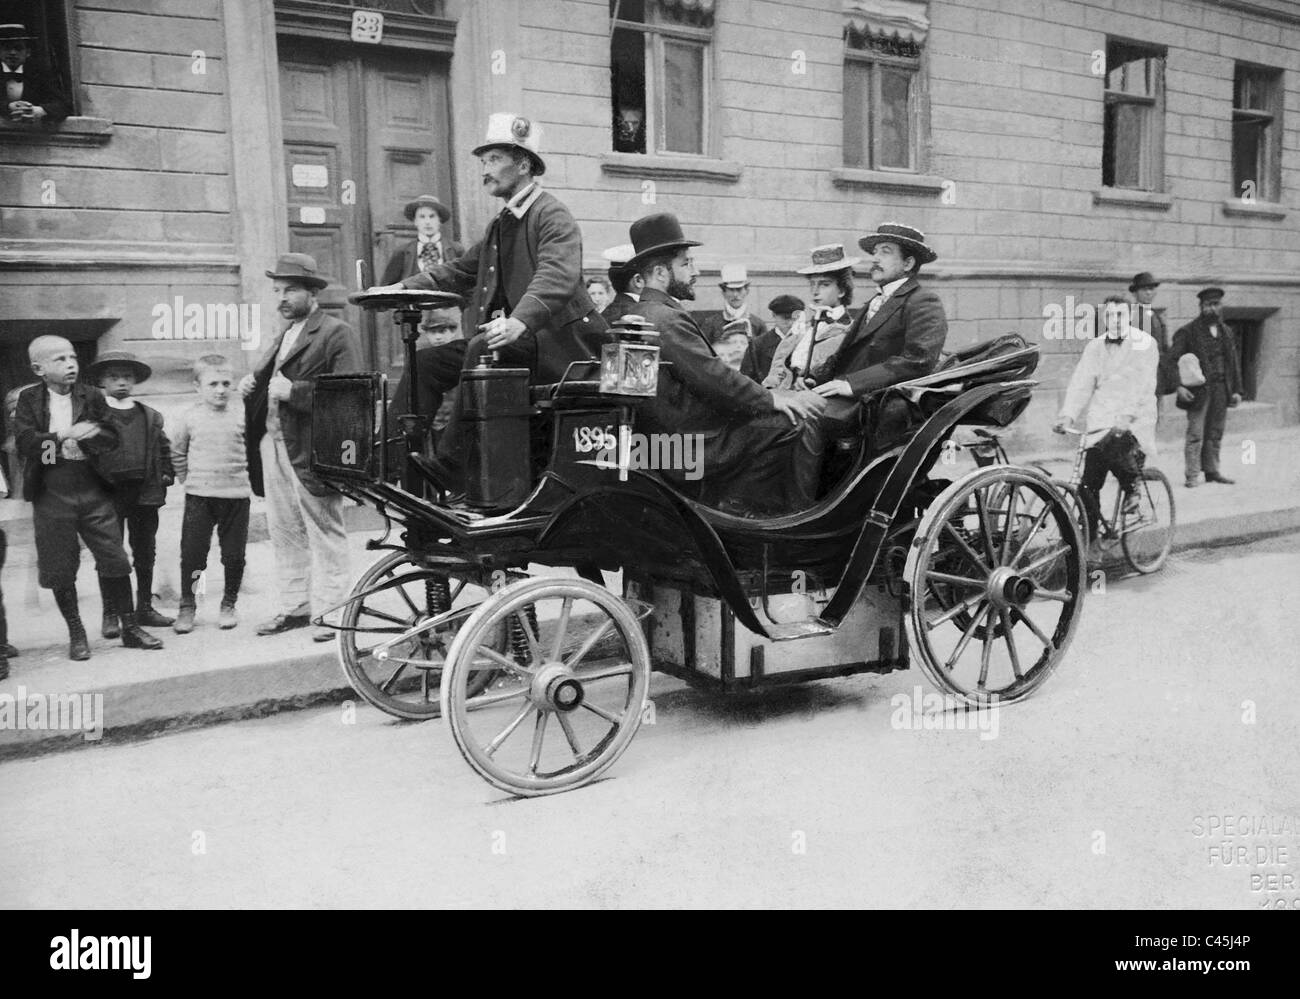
<point>145,709</point>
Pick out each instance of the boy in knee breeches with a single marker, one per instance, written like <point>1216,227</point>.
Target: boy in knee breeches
<point>59,425</point>
<point>209,456</point>
<point>140,470</point>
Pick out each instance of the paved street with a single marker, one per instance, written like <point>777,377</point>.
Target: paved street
<point>1174,717</point>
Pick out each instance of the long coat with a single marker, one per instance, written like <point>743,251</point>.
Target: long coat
<point>541,284</point>
<point>405,261</point>
<point>1149,321</point>
<point>621,305</point>
<point>34,441</point>
<point>325,346</point>
<point>1195,338</point>
<point>901,341</point>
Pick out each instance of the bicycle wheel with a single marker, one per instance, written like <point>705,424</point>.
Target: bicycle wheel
<point>1148,535</point>
<point>1073,500</point>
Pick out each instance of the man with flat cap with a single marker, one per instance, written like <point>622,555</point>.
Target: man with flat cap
<point>749,432</point>
<point>523,280</point>
<point>758,358</point>
<point>304,516</point>
<point>1209,339</point>
<point>30,94</point>
<point>1149,321</point>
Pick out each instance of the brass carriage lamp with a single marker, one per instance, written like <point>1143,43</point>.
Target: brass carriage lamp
<point>630,365</point>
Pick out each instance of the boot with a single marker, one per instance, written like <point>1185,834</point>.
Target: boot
<point>144,611</point>
<point>109,628</point>
<point>78,646</point>
<point>133,636</point>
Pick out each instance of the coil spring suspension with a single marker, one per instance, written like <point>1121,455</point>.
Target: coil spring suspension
<point>437,595</point>
<point>518,639</point>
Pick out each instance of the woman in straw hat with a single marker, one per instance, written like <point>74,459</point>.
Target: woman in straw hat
<point>804,357</point>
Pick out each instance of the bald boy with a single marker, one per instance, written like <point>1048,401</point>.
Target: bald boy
<point>59,426</point>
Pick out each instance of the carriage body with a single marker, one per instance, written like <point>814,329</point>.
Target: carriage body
<point>858,583</point>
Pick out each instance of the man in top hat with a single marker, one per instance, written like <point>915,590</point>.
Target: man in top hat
<point>30,95</point>
<point>304,516</point>
<point>1149,321</point>
<point>1211,341</point>
<point>758,358</point>
<point>139,469</point>
<point>627,284</point>
<point>735,291</point>
<point>898,336</point>
<point>748,431</point>
<point>429,248</point>
<point>523,280</point>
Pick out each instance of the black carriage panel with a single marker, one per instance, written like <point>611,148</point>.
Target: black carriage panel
<point>347,427</point>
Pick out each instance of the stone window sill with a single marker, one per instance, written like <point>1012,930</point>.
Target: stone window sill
<point>1155,200</point>
<point>887,180</point>
<point>1254,209</point>
<point>77,131</point>
<point>670,167</point>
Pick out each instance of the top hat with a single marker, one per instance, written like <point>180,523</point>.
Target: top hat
<point>733,276</point>
<point>507,130</point>
<point>653,234</point>
<point>120,358</point>
<point>911,240</point>
<point>15,33</point>
<point>426,201</point>
<point>785,305</point>
<point>828,258</point>
<point>1143,280</point>
<point>1210,294</point>
<point>298,267</point>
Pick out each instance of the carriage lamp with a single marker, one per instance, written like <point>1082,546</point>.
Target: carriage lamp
<point>630,365</point>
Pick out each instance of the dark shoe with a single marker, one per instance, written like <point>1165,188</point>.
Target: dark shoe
<point>323,634</point>
<point>184,622</point>
<point>134,637</point>
<point>78,647</point>
<point>1192,483</point>
<point>8,651</point>
<point>283,622</point>
<point>150,618</point>
<point>110,627</point>
<point>1222,480</point>
<point>227,618</point>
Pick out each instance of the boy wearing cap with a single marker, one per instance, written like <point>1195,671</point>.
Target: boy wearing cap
<point>1211,341</point>
<point>429,248</point>
<point>139,470</point>
<point>758,358</point>
<point>59,424</point>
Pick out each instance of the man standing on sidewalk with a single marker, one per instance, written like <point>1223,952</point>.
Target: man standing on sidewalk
<point>303,515</point>
<point>1149,321</point>
<point>1211,341</point>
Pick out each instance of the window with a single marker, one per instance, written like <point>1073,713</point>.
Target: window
<point>1133,143</point>
<point>659,75</point>
<point>1256,133</point>
<point>881,83</point>
<point>50,54</point>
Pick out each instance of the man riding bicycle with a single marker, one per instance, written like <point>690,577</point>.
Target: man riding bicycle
<point>1115,381</point>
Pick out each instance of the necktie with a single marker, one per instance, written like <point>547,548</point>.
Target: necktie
<point>430,255</point>
<point>874,306</point>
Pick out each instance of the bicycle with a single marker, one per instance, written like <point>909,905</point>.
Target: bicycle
<point>1144,529</point>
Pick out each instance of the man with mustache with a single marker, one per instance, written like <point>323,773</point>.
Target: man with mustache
<point>304,516</point>
<point>523,281</point>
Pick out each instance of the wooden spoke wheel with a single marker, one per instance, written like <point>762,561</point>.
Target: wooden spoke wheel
<point>390,598</point>
<point>583,672</point>
<point>996,580</point>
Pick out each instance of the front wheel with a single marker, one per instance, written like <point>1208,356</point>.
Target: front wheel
<point>1148,534</point>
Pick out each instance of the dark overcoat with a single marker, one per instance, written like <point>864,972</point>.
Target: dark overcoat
<point>1195,338</point>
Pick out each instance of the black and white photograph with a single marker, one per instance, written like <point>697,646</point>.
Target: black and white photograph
<point>651,454</point>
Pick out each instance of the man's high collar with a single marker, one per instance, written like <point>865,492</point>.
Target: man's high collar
<point>888,289</point>
<point>436,240</point>
<point>6,68</point>
<point>730,315</point>
<point>523,200</point>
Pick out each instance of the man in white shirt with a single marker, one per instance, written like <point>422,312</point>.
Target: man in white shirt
<point>1115,381</point>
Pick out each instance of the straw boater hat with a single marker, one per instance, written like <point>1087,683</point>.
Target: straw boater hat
<point>828,258</point>
<point>507,130</point>
<point>911,240</point>
<point>733,276</point>
<point>15,33</point>
<point>654,234</point>
<point>123,359</point>
<point>618,256</point>
<point>298,267</point>
<point>426,201</point>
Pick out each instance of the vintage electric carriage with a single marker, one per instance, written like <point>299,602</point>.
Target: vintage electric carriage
<point>495,611</point>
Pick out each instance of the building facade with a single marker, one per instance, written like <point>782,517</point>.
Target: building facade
<point>1050,149</point>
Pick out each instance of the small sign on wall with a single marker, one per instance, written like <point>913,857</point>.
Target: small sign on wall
<point>310,175</point>
<point>311,215</point>
<point>367,26</point>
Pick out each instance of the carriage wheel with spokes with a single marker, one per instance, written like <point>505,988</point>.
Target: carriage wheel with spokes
<point>996,583</point>
<point>583,672</point>
<point>391,597</point>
